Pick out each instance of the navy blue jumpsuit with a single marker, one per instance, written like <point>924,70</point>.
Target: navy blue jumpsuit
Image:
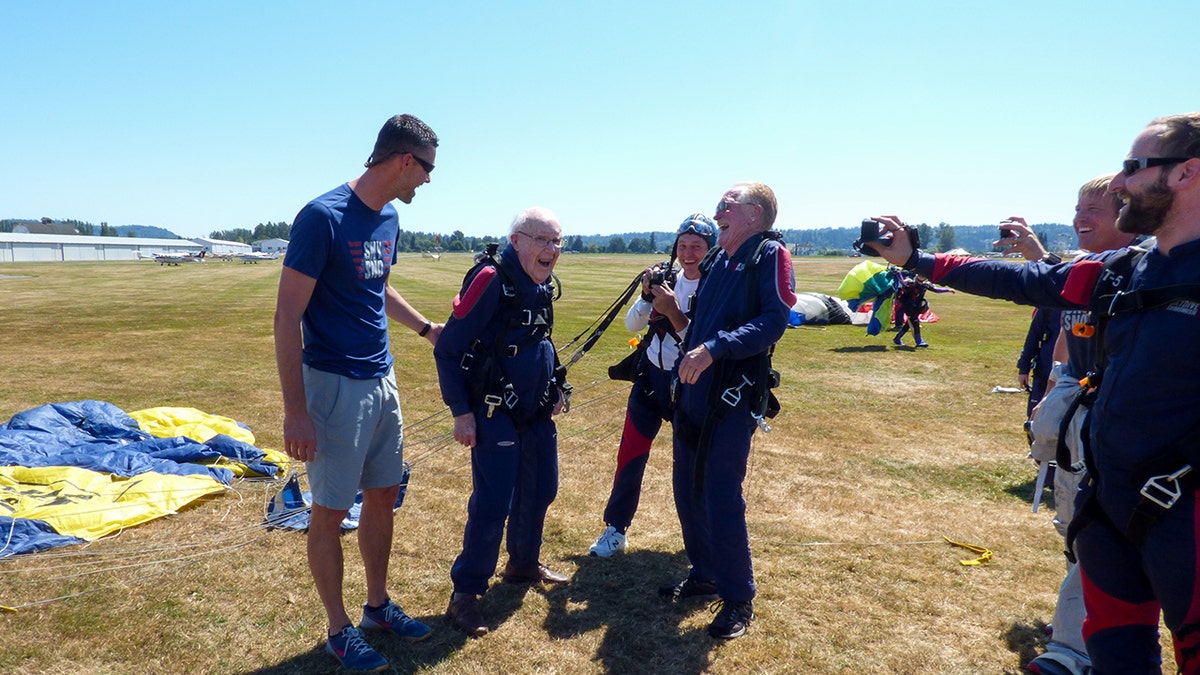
<point>712,515</point>
<point>1145,423</point>
<point>514,464</point>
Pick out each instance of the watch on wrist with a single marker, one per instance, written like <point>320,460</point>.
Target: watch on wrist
<point>425,330</point>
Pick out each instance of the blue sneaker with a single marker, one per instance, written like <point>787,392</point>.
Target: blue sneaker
<point>391,619</point>
<point>353,652</point>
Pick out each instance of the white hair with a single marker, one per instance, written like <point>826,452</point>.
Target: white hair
<point>532,214</point>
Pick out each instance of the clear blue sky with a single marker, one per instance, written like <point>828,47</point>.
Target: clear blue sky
<point>620,116</point>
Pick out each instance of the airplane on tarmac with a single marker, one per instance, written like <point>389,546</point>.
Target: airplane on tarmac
<point>176,258</point>
<point>256,256</point>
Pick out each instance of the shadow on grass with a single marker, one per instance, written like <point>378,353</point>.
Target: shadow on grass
<point>1027,641</point>
<point>642,632</point>
<point>1024,491</point>
<point>861,349</point>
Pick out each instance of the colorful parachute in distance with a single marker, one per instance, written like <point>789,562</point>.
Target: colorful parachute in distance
<point>870,281</point>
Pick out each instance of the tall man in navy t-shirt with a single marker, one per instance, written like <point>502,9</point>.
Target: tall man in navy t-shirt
<point>341,409</point>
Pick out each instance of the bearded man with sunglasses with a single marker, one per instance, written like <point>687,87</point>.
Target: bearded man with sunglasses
<point>1135,525</point>
<point>341,408</point>
<point>741,310</point>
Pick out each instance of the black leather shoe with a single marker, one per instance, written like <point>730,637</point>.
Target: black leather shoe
<point>528,575</point>
<point>465,616</point>
<point>690,589</point>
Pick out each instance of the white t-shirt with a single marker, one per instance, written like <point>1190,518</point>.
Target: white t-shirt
<point>662,353</point>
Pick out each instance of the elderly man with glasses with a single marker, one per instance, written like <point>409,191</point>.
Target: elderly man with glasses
<point>1134,531</point>
<point>723,380</point>
<point>500,375</point>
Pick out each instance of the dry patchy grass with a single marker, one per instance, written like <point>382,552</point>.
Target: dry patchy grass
<point>879,453</point>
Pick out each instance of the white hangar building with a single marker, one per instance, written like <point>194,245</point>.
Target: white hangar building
<point>16,247</point>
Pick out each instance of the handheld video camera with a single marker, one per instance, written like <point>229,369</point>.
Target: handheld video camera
<point>870,233</point>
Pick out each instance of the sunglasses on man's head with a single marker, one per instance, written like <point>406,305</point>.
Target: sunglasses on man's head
<point>1132,166</point>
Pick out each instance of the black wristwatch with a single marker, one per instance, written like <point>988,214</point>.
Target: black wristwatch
<point>425,331</point>
<point>1051,259</point>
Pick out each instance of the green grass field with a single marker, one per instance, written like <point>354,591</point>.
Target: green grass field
<point>879,454</point>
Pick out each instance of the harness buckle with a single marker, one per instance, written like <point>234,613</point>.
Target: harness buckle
<point>762,423</point>
<point>491,401</point>
<point>467,359</point>
<point>1158,491</point>
<point>511,351</point>
<point>528,320</point>
<point>510,397</point>
<point>1112,306</point>
<point>733,395</point>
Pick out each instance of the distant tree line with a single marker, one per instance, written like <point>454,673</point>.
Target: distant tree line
<point>833,241</point>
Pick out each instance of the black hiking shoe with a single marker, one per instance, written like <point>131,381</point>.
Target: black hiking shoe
<point>732,620</point>
<point>689,588</point>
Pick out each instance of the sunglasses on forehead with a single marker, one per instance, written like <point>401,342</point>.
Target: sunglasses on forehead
<point>1132,166</point>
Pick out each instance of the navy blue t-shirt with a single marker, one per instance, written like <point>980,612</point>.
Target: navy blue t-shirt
<point>349,249</point>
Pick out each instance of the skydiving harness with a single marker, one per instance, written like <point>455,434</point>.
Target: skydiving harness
<point>1166,478</point>
<point>483,362</point>
<point>739,381</point>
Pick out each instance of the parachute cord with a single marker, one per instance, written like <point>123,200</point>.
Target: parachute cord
<point>14,609</point>
<point>601,324</point>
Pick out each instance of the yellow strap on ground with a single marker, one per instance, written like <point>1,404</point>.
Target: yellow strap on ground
<point>7,610</point>
<point>984,554</point>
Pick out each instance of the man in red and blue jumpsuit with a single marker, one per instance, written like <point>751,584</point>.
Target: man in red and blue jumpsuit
<point>1136,558</point>
<point>741,310</point>
<point>497,371</point>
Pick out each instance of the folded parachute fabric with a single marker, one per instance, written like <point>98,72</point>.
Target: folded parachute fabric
<point>54,495</point>
<point>232,439</point>
<point>77,471</point>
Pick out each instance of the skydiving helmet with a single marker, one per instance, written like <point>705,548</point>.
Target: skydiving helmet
<point>700,224</point>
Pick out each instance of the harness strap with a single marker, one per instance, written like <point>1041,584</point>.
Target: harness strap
<point>724,395</point>
<point>1148,298</point>
<point>1062,454</point>
<point>716,412</point>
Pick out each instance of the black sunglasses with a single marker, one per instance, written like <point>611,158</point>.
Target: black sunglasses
<point>1132,166</point>
<point>428,166</point>
<point>724,204</point>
